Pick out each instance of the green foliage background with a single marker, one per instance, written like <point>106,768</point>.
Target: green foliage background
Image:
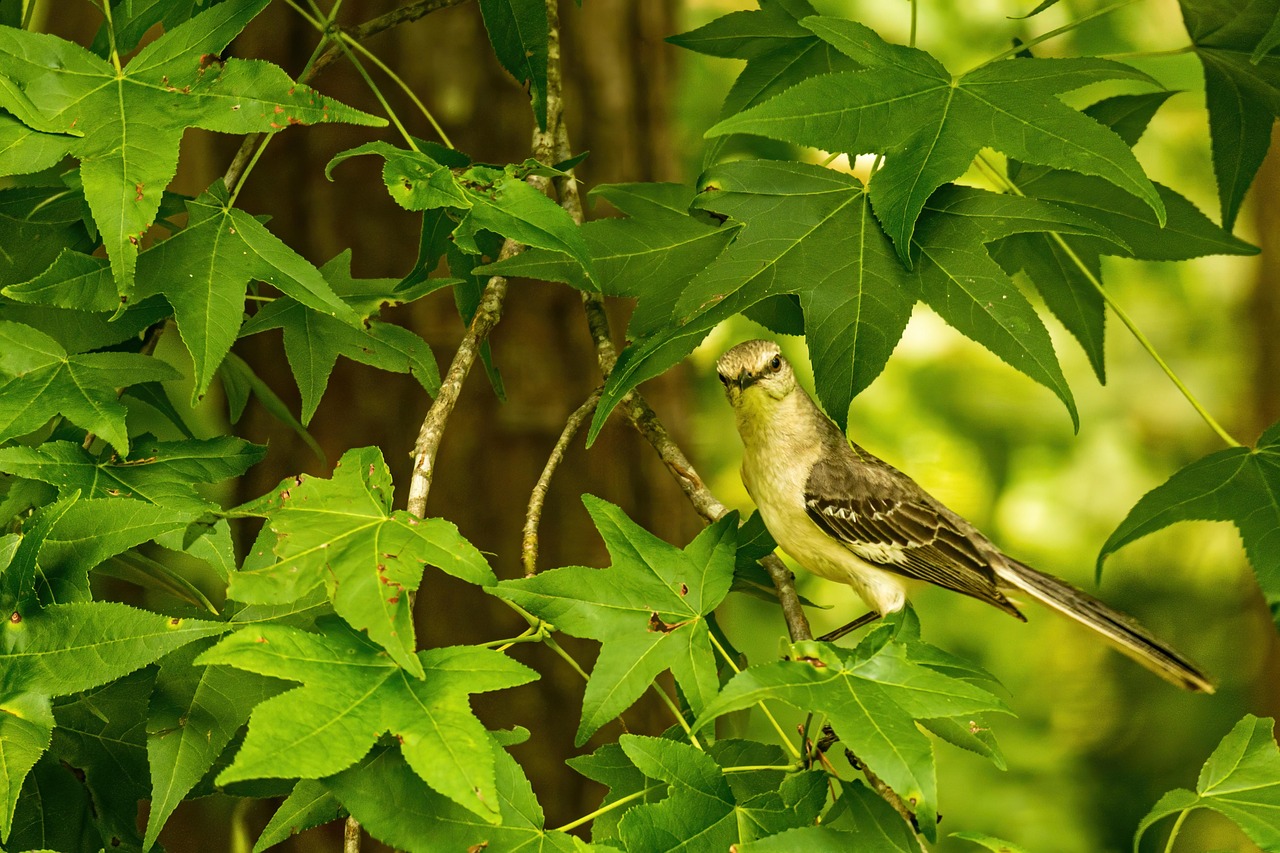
<point>288,669</point>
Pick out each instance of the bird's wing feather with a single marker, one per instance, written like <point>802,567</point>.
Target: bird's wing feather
<point>884,518</point>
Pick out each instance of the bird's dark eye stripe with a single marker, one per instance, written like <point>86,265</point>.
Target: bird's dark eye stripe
<point>724,380</point>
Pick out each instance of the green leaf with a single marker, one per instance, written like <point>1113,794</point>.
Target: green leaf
<point>518,33</point>
<point>66,648</point>
<point>194,712</point>
<point>997,845</point>
<point>313,340</point>
<point>26,726</point>
<point>89,532</point>
<point>611,767</point>
<point>1055,265</point>
<point>36,223</point>
<point>133,120</point>
<point>873,823</point>
<point>309,805</point>
<point>43,381</point>
<point>100,735</point>
<point>353,692</point>
<point>930,124</point>
<point>54,812</point>
<point>485,198</point>
<point>648,610</point>
<point>1240,485</point>
<point>650,254</point>
<point>343,534</point>
<point>394,805</point>
<point>1241,780</point>
<point>21,556</point>
<point>779,52</point>
<point>1236,45</point>
<point>203,272</point>
<point>702,811</point>
<point>239,380</point>
<point>797,219</point>
<point>872,700</point>
<point>164,473</point>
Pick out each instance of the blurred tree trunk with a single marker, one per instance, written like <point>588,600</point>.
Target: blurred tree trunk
<point>618,95</point>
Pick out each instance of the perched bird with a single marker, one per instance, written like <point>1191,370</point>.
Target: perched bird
<point>847,516</point>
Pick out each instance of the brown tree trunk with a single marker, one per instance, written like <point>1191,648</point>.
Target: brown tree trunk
<point>618,76</point>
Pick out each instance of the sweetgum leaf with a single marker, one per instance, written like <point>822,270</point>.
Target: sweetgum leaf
<point>702,811</point>
<point>343,534</point>
<point>648,610</point>
<point>66,648</point>
<point>396,807</point>
<point>779,52</point>
<point>872,700</point>
<point>193,713</point>
<point>1236,44</point>
<point>518,33</point>
<point>313,340</point>
<point>38,380</point>
<point>1064,268</point>
<point>100,735</point>
<point>1240,485</point>
<point>164,473</point>
<point>651,253</point>
<point>26,726</point>
<point>930,123</point>
<point>132,121</point>
<point>482,198</point>
<point>352,693</point>
<point>1241,780</point>
<point>810,231</point>
<point>309,805</point>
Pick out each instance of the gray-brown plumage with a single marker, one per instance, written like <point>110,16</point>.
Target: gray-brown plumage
<point>848,516</point>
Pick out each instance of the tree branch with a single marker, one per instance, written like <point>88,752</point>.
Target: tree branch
<point>529,544</point>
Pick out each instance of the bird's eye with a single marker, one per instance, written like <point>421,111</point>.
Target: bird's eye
<point>776,363</point>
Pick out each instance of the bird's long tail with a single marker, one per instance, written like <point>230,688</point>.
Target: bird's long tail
<point>1120,629</point>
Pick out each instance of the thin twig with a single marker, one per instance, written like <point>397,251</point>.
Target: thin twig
<point>486,317</point>
<point>529,544</point>
<point>360,32</point>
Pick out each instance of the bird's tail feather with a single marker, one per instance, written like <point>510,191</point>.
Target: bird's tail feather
<point>1120,629</point>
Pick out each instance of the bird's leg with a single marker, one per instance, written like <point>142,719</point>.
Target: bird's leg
<point>864,619</point>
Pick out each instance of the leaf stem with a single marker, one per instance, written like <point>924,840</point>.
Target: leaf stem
<point>587,818</point>
<point>377,93</point>
<point>530,635</point>
<point>1003,180</point>
<point>1018,48</point>
<point>1150,54</point>
<point>1177,827</point>
<point>746,768</point>
<point>244,173</point>
<point>782,734</point>
<point>408,90</point>
<point>914,9</point>
<point>111,37</point>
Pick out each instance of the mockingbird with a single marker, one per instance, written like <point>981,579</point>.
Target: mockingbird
<point>847,516</point>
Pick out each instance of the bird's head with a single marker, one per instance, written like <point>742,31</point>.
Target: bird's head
<point>755,368</point>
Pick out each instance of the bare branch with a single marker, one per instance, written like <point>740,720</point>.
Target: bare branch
<point>529,544</point>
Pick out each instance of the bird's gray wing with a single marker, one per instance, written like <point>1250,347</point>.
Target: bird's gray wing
<point>881,515</point>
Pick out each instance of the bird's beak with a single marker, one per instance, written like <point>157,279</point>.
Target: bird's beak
<point>743,380</point>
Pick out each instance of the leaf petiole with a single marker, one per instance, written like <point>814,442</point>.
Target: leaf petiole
<point>1021,46</point>
<point>1003,180</point>
<point>782,734</point>
<point>1177,827</point>
<point>587,818</point>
